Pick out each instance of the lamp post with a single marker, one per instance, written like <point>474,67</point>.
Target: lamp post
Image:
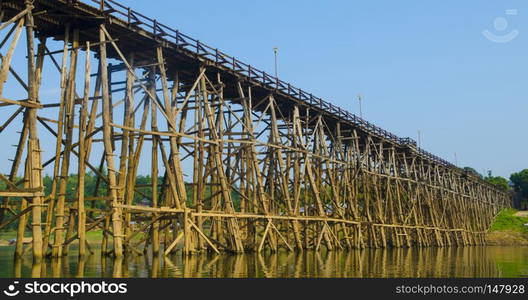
<point>276,50</point>
<point>360,110</point>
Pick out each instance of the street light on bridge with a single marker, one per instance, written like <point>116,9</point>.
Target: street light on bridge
<point>276,50</point>
<point>360,97</point>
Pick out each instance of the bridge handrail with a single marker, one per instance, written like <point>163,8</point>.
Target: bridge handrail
<point>185,42</point>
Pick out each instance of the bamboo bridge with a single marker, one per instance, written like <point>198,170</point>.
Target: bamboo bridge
<point>238,160</point>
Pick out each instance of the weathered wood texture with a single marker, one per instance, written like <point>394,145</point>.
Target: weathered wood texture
<point>238,160</point>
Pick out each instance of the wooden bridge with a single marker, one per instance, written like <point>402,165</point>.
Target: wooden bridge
<point>239,160</point>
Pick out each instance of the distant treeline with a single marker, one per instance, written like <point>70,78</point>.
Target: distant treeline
<point>143,194</point>
<point>518,184</point>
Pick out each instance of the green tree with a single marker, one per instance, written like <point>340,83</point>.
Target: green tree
<point>473,171</point>
<point>520,182</point>
<point>499,182</point>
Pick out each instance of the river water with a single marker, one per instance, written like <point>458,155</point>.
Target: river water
<point>490,261</point>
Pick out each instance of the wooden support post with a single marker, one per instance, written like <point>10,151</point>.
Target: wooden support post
<point>154,164</point>
<point>69,98</point>
<point>116,212</point>
<point>34,161</point>
<point>81,212</point>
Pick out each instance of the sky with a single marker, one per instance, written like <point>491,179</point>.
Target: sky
<point>454,70</point>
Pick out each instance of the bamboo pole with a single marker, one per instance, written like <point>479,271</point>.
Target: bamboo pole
<point>81,213</point>
<point>116,212</point>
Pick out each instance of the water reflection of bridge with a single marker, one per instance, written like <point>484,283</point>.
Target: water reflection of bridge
<point>447,262</point>
<point>269,165</point>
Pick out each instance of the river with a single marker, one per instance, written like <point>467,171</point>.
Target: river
<point>490,261</point>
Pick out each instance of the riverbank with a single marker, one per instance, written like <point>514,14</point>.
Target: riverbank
<point>9,235</point>
<point>5,236</point>
<point>509,229</point>
<point>93,236</point>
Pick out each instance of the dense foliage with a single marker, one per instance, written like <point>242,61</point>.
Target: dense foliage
<point>472,171</point>
<point>499,182</point>
<point>520,182</point>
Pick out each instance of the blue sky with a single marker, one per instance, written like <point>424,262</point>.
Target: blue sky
<point>420,65</point>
